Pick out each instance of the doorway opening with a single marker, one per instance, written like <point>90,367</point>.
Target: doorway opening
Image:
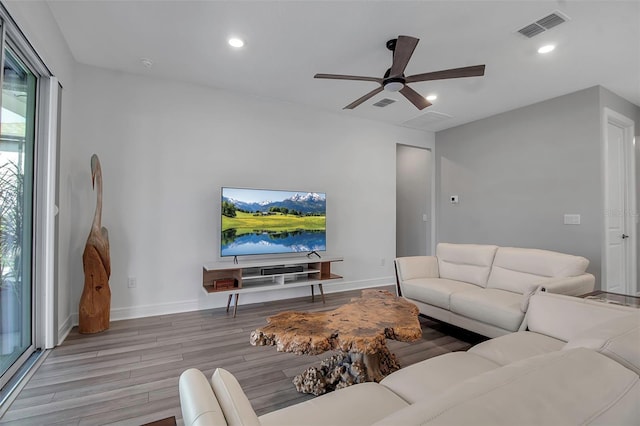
<point>414,204</point>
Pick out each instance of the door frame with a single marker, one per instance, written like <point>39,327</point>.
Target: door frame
<point>43,296</point>
<point>627,125</point>
<point>431,246</point>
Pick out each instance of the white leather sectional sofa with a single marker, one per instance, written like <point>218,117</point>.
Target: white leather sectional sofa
<point>486,288</point>
<point>577,362</point>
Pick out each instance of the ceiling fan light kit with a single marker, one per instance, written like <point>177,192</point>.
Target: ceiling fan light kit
<point>393,84</point>
<point>394,79</point>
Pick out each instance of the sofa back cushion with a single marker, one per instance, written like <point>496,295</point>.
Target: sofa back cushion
<point>619,339</point>
<point>469,263</point>
<point>565,317</point>
<point>577,386</point>
<point>518,269</point>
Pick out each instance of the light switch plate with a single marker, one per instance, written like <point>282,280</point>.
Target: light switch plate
<point>572,219</point>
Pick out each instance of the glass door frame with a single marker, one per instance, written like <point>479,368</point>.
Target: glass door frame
<point>44,332</point>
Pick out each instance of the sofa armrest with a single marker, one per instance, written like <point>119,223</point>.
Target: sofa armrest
<point>197,401</point>
<point>410,267</point>
<point>417,267</point>
<point>571,286</point>
<point>234,402</point>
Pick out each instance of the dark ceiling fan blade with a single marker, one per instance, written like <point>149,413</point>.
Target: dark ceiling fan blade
<point>415,98</point>
<point>348,77</point>
<point>402,53</point>
<point>474,71</point>
<point>369,95</point>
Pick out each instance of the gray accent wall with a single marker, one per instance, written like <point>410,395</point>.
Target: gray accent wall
<point>518,173</point>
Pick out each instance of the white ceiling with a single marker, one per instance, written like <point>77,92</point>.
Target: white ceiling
<point>287,42</point>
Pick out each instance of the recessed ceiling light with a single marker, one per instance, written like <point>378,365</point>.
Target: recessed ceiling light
<point>236,42</point>
<point>547,48</point>
<point>432,98</point>
<point>148,63</point>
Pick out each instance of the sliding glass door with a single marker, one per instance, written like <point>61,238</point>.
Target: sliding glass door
<point>28,128</point>
<point>17,147</point>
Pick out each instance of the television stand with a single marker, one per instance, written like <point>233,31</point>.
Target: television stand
<point>247,277</point>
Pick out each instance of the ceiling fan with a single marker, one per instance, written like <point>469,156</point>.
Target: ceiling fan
<point>394,79</point>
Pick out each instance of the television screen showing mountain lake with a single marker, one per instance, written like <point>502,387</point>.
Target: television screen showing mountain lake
<point>258,221</point>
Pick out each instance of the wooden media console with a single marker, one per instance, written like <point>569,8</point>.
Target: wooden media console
<point>267,274</point>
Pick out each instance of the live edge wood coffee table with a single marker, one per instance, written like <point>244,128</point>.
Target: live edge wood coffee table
<point>358,330</point>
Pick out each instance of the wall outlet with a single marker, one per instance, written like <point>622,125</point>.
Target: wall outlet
<point>133,282</point>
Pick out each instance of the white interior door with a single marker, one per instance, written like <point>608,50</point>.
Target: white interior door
<point>620,262</point>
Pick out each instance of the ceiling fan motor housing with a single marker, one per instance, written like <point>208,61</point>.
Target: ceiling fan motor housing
<point>392,84</point>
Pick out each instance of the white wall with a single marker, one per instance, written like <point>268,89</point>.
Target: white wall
<point>166,148</point>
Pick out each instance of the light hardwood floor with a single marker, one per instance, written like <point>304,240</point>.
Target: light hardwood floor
<point>128,375</point>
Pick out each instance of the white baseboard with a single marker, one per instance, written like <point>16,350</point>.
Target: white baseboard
<point>219,301</point>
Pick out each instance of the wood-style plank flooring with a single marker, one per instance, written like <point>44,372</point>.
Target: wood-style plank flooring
<point>128,375</point>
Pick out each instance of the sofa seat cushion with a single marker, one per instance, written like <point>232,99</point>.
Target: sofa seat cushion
<point>435,291</point>
<point>361,404</point>
<point>572,387</point>
<point>469,263</point>
<point>490,306</point>
<point>518,269</point>
<point>427,379</point>
<point>514,347</point>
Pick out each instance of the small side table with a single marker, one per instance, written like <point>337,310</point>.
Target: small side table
<point>613,298</point>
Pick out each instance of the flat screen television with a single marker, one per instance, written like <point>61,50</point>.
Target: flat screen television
<point>262,221</point>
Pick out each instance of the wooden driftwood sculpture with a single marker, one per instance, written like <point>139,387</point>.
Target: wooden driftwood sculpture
<point>358,330</point>
<point>95,302</point>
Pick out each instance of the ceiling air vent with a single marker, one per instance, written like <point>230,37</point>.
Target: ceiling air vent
<point>531,30</point>
<point>384,102</point>
<point>551,21</point>
<point>543,24</point>
<point>423,121</point>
